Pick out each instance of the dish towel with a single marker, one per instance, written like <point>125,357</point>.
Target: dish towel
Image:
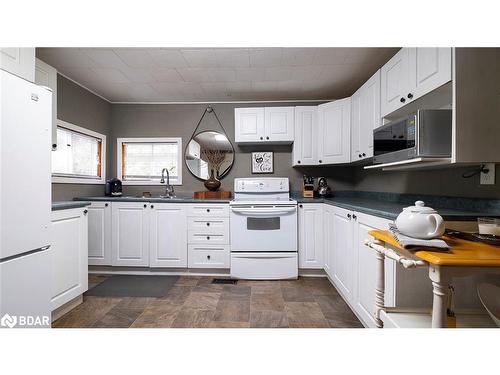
<point>410,242</point>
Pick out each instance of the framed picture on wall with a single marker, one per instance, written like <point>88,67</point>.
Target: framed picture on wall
<point>262,162</point>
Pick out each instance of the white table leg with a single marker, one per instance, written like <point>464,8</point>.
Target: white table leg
<point>380,289</point>
<point>440,287</point>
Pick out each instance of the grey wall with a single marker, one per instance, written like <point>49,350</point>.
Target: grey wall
<point>80,107</point>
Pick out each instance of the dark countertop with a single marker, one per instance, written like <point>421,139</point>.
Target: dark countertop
<point>66,205</point>
<point>179,199</point>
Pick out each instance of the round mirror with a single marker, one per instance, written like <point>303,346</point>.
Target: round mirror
<point>209,151</point>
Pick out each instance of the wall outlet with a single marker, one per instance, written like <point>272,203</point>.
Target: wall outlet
<point>488,178</point>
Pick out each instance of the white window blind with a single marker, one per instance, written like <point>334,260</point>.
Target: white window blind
<point>77,156</point>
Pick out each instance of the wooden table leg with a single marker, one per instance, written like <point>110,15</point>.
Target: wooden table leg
<point>380,289</point>
<point>440,288</point>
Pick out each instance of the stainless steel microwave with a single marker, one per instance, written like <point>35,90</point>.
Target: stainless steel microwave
<point>425,133</point>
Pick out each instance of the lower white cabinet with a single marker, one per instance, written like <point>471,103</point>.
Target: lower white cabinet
<point>168,235</point>
<point>99,218</point>
<point>310,235</point>
<point>208,256</point>
<point>69,251</point>
<point>328,239</point>
<point>130,234</point>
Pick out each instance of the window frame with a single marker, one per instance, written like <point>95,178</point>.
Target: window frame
<point>80,180</point>
<point>119,158</point>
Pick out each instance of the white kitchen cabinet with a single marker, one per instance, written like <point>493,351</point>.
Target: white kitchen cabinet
<point>130,234</point>
<point>305,145</point>
<point>168,240</point>
<point>344,259</point>
<point>365,108</point>
<point>334,132</point>
<point>310,235</point>
<point>429,69</point>
<point>264,125</point>
<point>19,61</point>
<point>249,125</point>
<point>412,73</point>
<point>46,75</point>
<point>328,255</point>
<point>69,252</point>
<point>99,238</point>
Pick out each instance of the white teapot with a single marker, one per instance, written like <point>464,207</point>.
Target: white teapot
<point>420,222</point>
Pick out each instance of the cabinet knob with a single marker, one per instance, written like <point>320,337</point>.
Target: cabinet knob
<point>208,209</point>
<point>267,138</point>
<point>359,155</point>
<point>354,217</point>
<point>349,216</point>
<point>152,206</point>
<point>402,100</point>
<point>298,161</point>
<point>208,257</point>
<point>208,237</point>
<point>106,204</point>
<point>208,224</point>
<point>261,138</point>
<point>410,95</point>
<point>145,205</point>
<point>54,146</point>
<point>321,161</point>
<point>300,205</point>
<point>85,212</point>
<point>363,154</point>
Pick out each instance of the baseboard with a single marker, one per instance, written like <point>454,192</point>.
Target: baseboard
<point>66,308</point>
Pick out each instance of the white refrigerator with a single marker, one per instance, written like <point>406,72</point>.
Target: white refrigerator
<point>25,202</point>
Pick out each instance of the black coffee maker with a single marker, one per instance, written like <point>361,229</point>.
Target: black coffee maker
<point>113,188</point>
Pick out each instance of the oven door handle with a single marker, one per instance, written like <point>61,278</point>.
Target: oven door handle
<point>263,211</point>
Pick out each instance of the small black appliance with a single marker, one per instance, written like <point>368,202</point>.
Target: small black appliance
<point>113,187</point>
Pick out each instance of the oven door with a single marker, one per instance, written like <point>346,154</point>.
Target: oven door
<point>263,228</point>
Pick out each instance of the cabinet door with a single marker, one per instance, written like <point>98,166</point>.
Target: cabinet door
<point>19,61</point>
<point>367,268</point>
<point>356,126</point>
<point>369,114</point>
<point>46,75</point>
<point>69,255</point>
<point>279,124</point>
<point>305,138</point>
<point>395,82</point>
<point>249,124</point>
<point>168,241</point>
<point>310,236</point>
<point>130,234</point>
<point>99,217</point>
<point>343,255</point>
<point>328,240</point>
<point>429,69</point>
<point>334,123</point>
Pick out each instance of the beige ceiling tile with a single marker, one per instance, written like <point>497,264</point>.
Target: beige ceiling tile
<point>207,75</point>
<point>65,58</point>
<point>137,75</point>
<point>168,58</point>
<point>200,58</point>
<point>222,75</point>
<point>330,56</point>
<point>104,57</point>
<point>135,57</point>
<point>309,72</point>
<point>265,57</point>
<point>264,86</point>
<point>116,92</point>
<point>110,75</point>
<point>84,76</point>
<point>250,74</point>
<point>232,58</point>
<point>279,73</point>
<point>166,75</point>
<point>145,93</point>
<point>298,56</point>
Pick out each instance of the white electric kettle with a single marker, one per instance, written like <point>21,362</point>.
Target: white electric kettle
<point>420,222</point>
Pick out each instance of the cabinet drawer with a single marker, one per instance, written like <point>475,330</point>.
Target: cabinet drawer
<point>208,256</point>
<point>208,225</point>
<point>207,238</point>
<point>208,210</point>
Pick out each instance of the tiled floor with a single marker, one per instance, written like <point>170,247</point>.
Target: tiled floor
<point>196,302</point>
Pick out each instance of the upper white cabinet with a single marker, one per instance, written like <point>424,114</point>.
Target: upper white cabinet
<point>46,75</point>
<point>264,125</point>
<point>365,109</point>
<point>334,131</point>
<point>99,217</point>
<point>412,73</point>
<point>306,136</point>
<point>311,235</point>
<point>168,235</point>
<point>130,234</point>
<point>69,255</point>
<point>19,61</point>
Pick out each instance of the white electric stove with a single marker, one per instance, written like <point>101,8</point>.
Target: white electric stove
<point>263,229</point>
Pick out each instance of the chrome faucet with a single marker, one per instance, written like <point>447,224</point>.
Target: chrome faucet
<point>169,189</point>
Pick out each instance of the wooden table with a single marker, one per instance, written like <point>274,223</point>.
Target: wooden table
<point>464,258</point>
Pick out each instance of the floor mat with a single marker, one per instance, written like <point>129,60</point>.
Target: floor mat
<point>133,286</point>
